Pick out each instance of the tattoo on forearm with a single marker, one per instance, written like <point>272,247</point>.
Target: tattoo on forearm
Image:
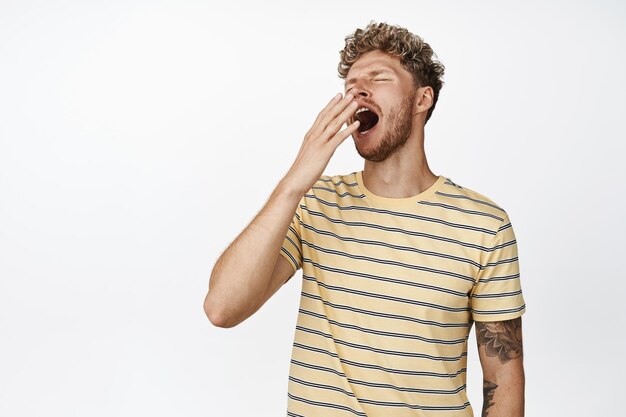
<point>501,338</point>
<point>488,390</point>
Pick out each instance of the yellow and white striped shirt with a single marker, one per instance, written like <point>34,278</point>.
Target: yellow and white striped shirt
<point>390,289</point>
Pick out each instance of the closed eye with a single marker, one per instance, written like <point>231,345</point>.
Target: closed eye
<point>378,79</point>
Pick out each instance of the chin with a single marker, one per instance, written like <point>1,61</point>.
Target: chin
<point>366,151</point>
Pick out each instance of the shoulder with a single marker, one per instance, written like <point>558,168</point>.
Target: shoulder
<point>339,184</point>
<point>473,202</point>
<point>338,179</point>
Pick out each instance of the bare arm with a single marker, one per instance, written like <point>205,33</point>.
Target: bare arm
<point>242,273</point>
<point>501,357</point>
<point>250,270</point>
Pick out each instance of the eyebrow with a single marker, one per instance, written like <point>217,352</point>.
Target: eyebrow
<point>373,72</point>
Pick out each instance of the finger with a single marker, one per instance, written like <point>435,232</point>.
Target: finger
<point>334,111</point>
<point>317,127</point>
<point>330,104</point>
<point>340,136</point>
<point>334,126</point>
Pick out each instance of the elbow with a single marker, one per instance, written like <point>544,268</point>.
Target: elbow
<point>219,307</point>
<point>216,315</point>
<point>211,312</point>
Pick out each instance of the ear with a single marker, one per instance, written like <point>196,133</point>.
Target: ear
<point>423,98</point>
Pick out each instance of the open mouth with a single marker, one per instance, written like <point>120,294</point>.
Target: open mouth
<point>367,119</point>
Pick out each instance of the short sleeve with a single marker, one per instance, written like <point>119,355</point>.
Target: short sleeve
<point>291,248</point>
<point>497,292</point>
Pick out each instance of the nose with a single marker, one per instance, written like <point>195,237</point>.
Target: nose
<point>361,88</point>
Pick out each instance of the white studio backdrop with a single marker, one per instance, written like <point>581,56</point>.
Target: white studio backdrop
<point>137,139</point>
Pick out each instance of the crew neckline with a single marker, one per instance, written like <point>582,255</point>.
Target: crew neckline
<point>400,202</point>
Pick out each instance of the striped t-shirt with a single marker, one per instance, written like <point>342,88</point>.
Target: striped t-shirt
<point>389,291</point>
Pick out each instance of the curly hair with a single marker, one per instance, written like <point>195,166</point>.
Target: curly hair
<point>415,55</point>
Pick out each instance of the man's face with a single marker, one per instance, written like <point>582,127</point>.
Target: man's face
<point>379,82</point>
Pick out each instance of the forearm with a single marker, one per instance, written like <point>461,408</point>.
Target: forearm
<point>503,394</point>
<point>502,358</point>
<point>242,273</point>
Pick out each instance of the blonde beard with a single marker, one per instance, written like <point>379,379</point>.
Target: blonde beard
<point>394,138</point>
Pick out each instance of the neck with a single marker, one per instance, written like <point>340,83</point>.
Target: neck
<point>404,174</point>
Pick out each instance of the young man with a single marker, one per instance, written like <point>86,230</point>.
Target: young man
<point>398,262</point>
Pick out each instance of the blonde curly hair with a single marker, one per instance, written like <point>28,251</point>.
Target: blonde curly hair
<point>415,55</point>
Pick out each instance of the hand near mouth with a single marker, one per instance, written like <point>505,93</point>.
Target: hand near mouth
<point>320,143</point>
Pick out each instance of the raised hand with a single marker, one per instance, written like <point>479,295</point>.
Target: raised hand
<point>320,143</point>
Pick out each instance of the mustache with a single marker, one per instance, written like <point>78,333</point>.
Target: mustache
<point>373,106</point>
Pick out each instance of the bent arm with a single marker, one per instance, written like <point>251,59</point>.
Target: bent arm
<point>240,279</point>
<point>501,357</point>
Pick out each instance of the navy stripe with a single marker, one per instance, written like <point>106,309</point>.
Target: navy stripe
<point>471,199</point>
<point>390,212</point>
<point>449,207</point>
<point>502,245</point>
<point>408,389</point>
<point>293,260</point>
<point>322,386</point>
<point>450,182</point>
<point>349,184</point>
<point>376,384</point>
<point>385,297</point>
<point>502,278</point>
<point>498,295</point>
<point>402,231</point>
<point>382,403</point>
<point>330,387</point>
<point>383,333</point>
<point>510,310</point>
<point>386,315</point>
<point>379,350</point>
<point>330,190</point>
<point>295,245</point>
<point>389,245</point>
<point>322,404</point>
<point>496,263</point>
<point>416,406</point>
<point>295,232</point>
<point>504,227</point>
<point>396,263</point>
<point>411,372</point>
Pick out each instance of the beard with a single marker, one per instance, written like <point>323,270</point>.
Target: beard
<point>394,138</point>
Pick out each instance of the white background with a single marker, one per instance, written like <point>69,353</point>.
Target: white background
<point>137,139</point>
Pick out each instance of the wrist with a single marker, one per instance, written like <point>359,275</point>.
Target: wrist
<point>286,189</point>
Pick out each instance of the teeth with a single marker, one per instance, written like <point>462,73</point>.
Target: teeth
<point>360,110</point>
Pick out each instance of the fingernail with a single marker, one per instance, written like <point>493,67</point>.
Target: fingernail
<point>349,96</point>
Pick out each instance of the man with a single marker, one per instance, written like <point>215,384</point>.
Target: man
<point>397,262</point>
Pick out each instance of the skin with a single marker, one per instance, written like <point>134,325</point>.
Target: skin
<point>395,162</point>
<point>501,355</point>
